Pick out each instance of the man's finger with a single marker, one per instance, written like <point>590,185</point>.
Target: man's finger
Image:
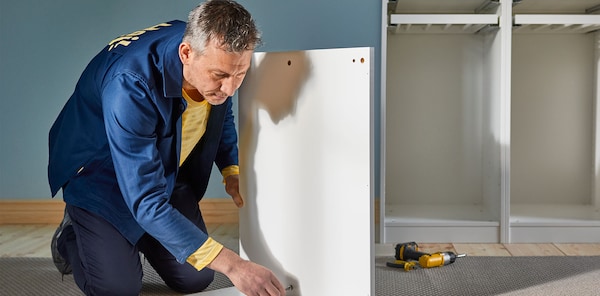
<point>238,200</point>
<point>274,290</point>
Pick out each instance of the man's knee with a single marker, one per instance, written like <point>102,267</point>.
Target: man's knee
<point>191,284</point>
<point>116,288</point>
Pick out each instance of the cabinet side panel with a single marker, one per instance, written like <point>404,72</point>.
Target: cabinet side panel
<point>305,169</point>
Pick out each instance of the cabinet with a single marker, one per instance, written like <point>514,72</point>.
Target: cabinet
<point>554,145</point>
<point>488,121</point>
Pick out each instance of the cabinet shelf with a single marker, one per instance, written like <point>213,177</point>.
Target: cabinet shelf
<point>554,223</point>
<point>555,23</point>
<point>556,7</point>
<point>438,215</point>
<point>554,215</point>
<point>441,23</point>
<point>440,223</point>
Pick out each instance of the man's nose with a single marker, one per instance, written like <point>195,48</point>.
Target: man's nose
<point>228,86</point>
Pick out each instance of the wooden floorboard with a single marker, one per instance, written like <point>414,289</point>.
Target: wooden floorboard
<point>481,249</point>
<point>580,249</point>
<point>533,250</point>
<point>34,241</point>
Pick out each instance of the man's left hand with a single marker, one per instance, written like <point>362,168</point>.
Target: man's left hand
<point>232,187</point>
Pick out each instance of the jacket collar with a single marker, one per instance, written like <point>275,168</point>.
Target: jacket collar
<point>172,69</point>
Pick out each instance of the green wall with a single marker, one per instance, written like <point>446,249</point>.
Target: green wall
<point>44,46</point>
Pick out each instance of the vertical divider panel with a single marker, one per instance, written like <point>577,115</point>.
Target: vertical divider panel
<point>306,169</point>
<point>491,120</point>
<point>596,173</point>
<point>505,117</point>
<point>382,121</point>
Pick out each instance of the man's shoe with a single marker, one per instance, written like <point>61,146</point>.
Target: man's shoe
<point>61,264</point>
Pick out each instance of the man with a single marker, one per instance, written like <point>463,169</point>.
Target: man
<point>133,148</point>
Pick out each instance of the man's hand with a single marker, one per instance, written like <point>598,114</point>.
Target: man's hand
<point>232,187</point>
<point>248,277</point>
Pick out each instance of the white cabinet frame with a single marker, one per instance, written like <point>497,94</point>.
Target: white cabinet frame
<point>512,221</point>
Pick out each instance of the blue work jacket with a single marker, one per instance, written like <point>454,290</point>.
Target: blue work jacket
<point>115,146</point>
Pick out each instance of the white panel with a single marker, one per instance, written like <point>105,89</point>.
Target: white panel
<point>554,234</point>
<point>443,234</point>
<point>596,119</point>
<point>444,19</point>
<point>435,129</point>
<point>504,111</point>
<point>305,156</point>
<point>381,202</point>
<point>552,119</point>
<point>564,19</point>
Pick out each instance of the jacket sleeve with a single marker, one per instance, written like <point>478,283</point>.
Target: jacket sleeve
<point>142,149</point>
<point>227,153</point>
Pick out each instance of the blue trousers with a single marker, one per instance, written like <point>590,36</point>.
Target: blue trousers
<point>105,263</point>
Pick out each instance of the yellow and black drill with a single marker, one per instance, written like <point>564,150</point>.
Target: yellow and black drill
<point>407,253</point>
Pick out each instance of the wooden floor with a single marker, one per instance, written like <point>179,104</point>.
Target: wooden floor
<point>34,241</point>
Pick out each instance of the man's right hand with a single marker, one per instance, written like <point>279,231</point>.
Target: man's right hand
<point>248,277</point>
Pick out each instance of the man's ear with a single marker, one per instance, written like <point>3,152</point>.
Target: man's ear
<point>185,52</point>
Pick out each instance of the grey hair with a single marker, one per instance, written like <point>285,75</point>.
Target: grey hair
<point>227,21</point>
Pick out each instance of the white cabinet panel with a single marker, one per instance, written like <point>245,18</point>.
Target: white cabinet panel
<point>305,159</point>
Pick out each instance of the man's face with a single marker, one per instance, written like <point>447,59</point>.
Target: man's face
<point>215,74</point>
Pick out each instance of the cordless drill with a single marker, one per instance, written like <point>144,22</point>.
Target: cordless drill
<point>410,251</point>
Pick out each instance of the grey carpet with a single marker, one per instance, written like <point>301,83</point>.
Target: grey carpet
<point>479,276</point>
<point>476,276</point>
<point>38,276</point>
